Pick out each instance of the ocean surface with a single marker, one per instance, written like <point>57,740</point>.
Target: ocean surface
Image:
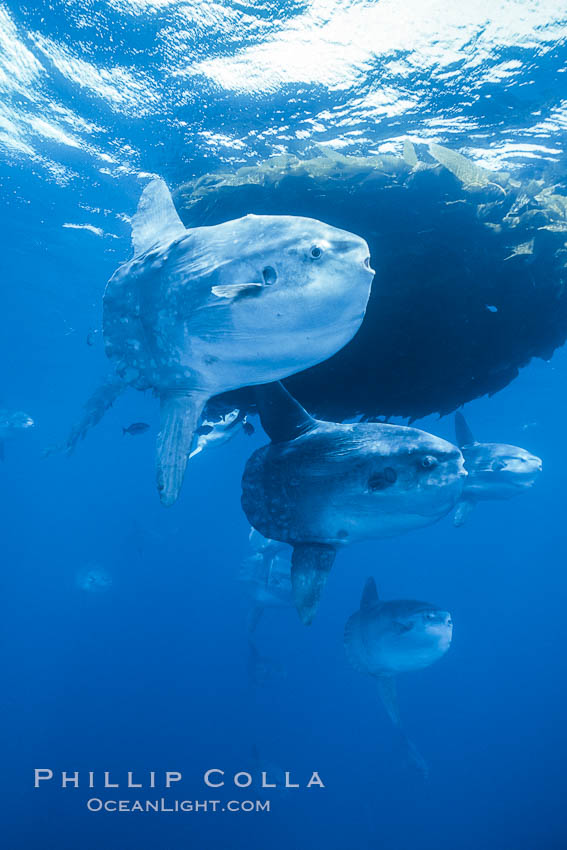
<point>123,630</point>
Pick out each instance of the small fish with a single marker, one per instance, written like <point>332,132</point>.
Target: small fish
<point>93,579</point>
<point>136,428</point>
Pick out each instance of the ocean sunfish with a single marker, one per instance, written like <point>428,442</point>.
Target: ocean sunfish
<point>266,577</point>
<point>12,421</point>
<point>495,470</point>
<point>383,639</point>
<point>199,312</point>
<point>321,485</point>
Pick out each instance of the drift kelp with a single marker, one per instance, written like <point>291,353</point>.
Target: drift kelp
<point>470,281</point>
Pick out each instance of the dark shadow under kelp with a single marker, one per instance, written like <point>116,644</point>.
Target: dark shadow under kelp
<point>470,272</point>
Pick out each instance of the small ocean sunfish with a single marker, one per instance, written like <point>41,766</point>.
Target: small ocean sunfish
<point>383,639</point>
<point>496,471</point>
<point>12,421</point>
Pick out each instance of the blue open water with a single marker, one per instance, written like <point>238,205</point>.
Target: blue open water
<point>150,673</point>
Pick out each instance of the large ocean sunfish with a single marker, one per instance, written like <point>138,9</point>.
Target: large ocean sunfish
<point>321,485</point>
<point>496,471</point>
<point>198,312</point>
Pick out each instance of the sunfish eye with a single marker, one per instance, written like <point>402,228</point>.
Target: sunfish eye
<point>429,462</point>
<point>316,252</point>
<point>269,275</point>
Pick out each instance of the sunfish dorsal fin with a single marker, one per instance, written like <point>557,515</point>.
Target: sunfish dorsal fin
<point>156,221</point>
<point>369,596</point>
<point>463,433</point>
<point>283,418</point>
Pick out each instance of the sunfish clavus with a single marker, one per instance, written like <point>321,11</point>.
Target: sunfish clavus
<point>199,312</point>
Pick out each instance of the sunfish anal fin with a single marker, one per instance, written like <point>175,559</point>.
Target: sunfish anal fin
<point>461,514</point>
<point>310,567</point>
<point>156,221</point>
<point>389,696</point>
<point>180,415</point>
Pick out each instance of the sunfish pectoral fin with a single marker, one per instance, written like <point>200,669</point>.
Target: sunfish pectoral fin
<point>463,433</point>
<point>180,415</point>
<point>413,757</point>
<point>156,220</point>
<point>461,514</point>
<point>310,567</point>
<point>235,290</point>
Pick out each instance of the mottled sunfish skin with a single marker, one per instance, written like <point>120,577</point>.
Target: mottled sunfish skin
<point>496,471</point>
<point>322,485</point>
<point>198,312</point>
<point>384,639</point>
